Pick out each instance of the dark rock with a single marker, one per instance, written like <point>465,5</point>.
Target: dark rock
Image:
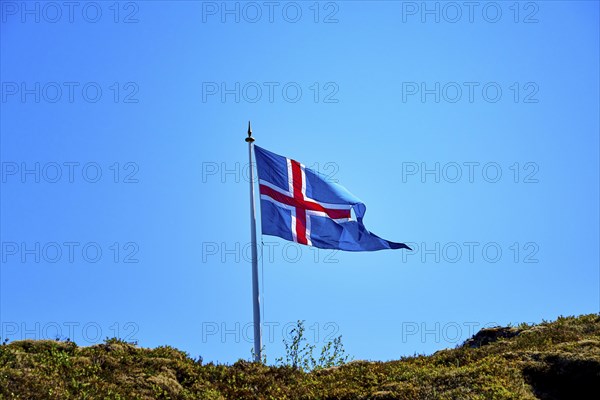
<point>491,335</point>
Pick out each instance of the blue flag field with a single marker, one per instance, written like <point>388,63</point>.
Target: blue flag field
<point>300,205</point>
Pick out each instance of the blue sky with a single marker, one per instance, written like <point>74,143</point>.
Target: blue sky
<point>470,132</point>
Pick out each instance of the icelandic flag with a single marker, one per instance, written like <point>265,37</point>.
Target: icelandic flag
<point>300,205</point>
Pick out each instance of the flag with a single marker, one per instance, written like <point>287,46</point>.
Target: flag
<point>300,205</point>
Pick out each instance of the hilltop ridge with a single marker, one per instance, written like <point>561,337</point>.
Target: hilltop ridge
<point>551,360</point>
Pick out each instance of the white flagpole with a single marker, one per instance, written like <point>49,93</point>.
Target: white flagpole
<point>255,293</point>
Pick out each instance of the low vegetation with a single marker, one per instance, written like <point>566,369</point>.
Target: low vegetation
<point>552,360</point>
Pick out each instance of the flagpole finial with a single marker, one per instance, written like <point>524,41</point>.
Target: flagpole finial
<point>249,139</point>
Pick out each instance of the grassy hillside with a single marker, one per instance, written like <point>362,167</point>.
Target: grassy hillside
<point>554,360</point>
